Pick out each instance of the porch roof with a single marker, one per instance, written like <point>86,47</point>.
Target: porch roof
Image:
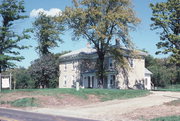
<point>147,71</point>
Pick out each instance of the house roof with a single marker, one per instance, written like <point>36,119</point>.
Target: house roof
<point>89,51</point>
<point>86,50</point>
<point>147,71</point>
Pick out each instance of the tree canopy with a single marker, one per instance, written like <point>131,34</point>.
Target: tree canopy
<point>166,17</point>
<point>47,32</point>
<point>44,71</point>
<point>100,22</point>
<point>10,11</point>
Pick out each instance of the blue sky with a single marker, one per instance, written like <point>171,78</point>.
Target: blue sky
<point>143,37</point>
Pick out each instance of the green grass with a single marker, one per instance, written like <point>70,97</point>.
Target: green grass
<point>2,102</point>
<point>174,88</point>
<point>24,102</point>
<point>170,118</point>
<point>103,94</point>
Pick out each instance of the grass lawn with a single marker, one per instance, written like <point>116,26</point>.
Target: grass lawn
<point>174,88</point>
<point>170,118</point>
<point>103,94</point>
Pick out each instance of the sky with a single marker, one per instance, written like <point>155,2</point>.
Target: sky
<point>142,37</point>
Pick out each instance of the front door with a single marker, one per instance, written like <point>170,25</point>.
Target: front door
<point>89,82</point>
<point>105,85</point>
<point>92,81</point>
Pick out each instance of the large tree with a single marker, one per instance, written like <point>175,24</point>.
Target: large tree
<point>100,22</point>
<point>166,18</point>
<point>10,11</point>
<point>47,32</point>
<point>44,71</point>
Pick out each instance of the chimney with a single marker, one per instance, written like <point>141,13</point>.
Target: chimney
<point>88,45</point>
<point>117,42</point>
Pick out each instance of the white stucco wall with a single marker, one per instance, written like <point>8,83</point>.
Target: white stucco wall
<point>134,75</point>
<point>69,74</point>
<point>148,83</point>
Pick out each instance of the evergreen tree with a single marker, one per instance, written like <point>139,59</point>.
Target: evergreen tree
<point>166,17</point>
<point>10,11</point>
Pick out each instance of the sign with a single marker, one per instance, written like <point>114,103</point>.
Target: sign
<point>5,83</point>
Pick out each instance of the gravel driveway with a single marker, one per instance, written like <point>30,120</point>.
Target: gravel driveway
<point>112,110</point>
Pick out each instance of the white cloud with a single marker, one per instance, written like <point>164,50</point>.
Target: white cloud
<point>52,12</point>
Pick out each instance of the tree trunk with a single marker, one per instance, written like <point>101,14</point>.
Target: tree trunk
<point>101,70</point>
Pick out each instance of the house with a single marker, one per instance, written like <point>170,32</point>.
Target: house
<point>80,66</point>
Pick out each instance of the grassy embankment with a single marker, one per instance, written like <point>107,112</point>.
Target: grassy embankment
<point>175,88</point>
<point>102,94</point>
<point>170,118</point>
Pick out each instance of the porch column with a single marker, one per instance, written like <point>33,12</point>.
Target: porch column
<point>83,81</point>
<point>108,81</point>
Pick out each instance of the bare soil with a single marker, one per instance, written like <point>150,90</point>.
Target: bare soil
<point>142,108</point>
<point>58,101</point>
<point>153,112</point>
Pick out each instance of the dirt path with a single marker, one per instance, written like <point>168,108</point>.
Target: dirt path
<point>113,110</point>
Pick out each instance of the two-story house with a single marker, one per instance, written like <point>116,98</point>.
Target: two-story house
<point>80,66</point>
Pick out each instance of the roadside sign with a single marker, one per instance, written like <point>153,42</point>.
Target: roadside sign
<point>5,83</point>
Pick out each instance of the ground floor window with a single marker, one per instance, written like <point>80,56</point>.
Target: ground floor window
<point>112,81</point>
<point>146,81</point>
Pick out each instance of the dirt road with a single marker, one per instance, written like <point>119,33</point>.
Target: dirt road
<point>113,110</point>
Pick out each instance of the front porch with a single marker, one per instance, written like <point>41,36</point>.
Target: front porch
<point>90,80</point>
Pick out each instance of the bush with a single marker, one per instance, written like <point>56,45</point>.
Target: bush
<point>25,102</point>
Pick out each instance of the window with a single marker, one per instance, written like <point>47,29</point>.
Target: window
<point>146,81</point>
<point>73,79</point>
<point>112,81</point>
<point>131,62</point>
<point>73,66</point>
<point>111,63</point>
<point>92,81</point>
<point>65,82</point>
<point>65,67</point>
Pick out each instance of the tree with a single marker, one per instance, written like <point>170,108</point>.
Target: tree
<point>45,71</point>
<point>101,21</point>
<point>10,11</point>
<point>166,17</point>
<point>47,33</point>
<point>164,73</point>
<point>22,78</point>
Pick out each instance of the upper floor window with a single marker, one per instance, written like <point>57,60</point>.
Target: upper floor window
<point>131,62</point>
<point>73,66</point>
<point>111,63</point>
<point>65,67</point>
